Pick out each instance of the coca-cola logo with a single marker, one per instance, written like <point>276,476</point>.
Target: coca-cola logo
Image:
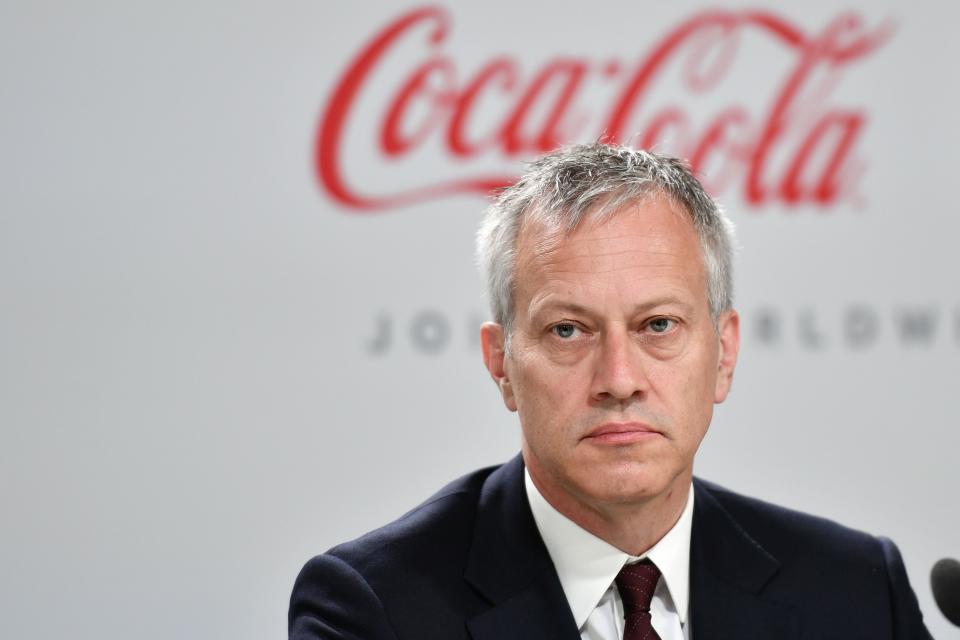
<point>793,143</point>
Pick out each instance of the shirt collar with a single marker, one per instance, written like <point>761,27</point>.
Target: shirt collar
<point>587,565</point>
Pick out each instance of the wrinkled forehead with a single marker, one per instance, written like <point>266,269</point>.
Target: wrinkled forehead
<point>542,232</point>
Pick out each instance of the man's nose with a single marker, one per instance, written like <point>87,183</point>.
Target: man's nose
<point>619,372</point>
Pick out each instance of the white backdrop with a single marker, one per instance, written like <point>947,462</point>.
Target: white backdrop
<point>192,397</point>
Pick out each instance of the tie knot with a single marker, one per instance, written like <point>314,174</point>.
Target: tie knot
<point>636,583</point>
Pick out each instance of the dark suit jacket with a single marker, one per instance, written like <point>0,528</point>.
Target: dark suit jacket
<point>470,563</point>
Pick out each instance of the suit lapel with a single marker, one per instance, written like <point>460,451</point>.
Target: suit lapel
<point>510,567</point>
<point>728,572</point>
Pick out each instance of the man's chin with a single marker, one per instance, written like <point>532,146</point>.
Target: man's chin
<point>616,487</point>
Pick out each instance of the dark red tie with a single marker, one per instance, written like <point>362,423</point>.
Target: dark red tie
<point>636,583</point>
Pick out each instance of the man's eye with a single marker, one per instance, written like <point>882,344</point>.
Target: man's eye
<point>660,325</point>
<point>564,330</point>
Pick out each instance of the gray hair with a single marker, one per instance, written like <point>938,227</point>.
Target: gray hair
<point>563,187</point>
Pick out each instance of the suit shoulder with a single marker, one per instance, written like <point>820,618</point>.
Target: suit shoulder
<point>386,582</point>
<point>790,533</point>
<point>441,526</point>
<point>824,568</point>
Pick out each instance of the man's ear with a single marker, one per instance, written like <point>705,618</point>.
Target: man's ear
<point>729,333</point>
<point>492,343</point>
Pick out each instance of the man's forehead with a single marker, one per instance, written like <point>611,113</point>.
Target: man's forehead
<point>541,236</point>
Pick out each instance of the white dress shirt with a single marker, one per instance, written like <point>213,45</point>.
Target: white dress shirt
<point>587,567</point>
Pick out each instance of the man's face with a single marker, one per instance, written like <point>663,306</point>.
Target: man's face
<point>614,362</point>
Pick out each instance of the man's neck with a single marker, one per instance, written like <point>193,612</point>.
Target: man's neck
<point>632,527</point>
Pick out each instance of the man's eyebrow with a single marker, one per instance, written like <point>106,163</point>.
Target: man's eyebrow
<point>640,308</point>
<point>663,301</point>
<point>562,305</point>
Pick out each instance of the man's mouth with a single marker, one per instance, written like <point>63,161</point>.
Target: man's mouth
<point>621,433</point>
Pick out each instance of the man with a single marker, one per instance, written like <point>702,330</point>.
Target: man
<point>609,277</point>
